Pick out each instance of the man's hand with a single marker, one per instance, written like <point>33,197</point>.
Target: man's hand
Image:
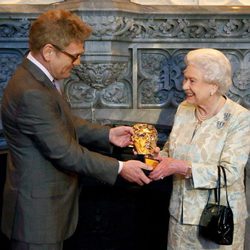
<point>132,172</point>
<point>121,136</point>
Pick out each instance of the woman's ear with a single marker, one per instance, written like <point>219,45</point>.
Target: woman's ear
<point>214,89</point>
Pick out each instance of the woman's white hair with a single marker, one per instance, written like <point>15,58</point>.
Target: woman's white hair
<point>215,66</point>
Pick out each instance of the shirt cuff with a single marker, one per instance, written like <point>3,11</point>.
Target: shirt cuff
<point>120,166</point>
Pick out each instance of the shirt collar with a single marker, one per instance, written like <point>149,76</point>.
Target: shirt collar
<point>40,66</point>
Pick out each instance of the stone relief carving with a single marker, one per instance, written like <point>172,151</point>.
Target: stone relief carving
<point>116,94</point>
<point>125,27</point>
<point>129,28</point>
<point>99,75</point>
<point>159,75</point>
<point>8,62</point>
<point>99,84</point>
<point>161,78</point>
<point>14,29</point>
<point>237,28</point>
<point>240,90</point>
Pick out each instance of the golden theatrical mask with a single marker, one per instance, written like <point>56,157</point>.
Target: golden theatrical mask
<point>145,141</point>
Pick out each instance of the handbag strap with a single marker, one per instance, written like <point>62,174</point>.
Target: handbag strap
<point>217,190</point>
<point>225,181</point>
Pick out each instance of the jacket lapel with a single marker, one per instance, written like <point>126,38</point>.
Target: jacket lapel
<point>37,73</point>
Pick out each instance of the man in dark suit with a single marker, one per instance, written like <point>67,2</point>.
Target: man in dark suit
<point>48,145</point>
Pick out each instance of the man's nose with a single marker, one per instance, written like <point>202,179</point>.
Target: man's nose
<point>77,61</point>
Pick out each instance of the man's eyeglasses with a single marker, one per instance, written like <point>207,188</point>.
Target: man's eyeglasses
<point>73,57</point>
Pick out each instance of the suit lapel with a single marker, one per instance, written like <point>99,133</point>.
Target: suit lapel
<point>37,73</point>
<point>44,80</point>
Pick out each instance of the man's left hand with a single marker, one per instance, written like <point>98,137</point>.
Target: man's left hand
<point>121,136</point>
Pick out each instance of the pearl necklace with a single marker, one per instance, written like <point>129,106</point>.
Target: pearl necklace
<point>202,118</point>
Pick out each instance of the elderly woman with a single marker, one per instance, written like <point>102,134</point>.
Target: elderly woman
<point>209,130</point>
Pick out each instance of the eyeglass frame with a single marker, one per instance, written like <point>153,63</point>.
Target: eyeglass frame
<point>72,57</point>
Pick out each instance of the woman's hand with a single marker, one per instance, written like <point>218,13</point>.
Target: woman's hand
<point>156,154</point>
<point>169,166</point>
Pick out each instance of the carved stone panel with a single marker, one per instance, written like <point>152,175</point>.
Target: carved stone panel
<point>170,28</point>
<point>99,85</point>
<point>14,29</point>
<point>160,77</point>
<point>240,90</point>
<point>9,59</point>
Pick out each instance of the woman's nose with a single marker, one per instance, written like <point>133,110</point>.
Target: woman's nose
<point>185,84</point>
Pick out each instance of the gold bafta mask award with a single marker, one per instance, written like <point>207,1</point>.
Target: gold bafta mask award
<point>145,141</point>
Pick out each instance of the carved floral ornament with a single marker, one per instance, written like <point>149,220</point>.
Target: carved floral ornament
<point>95,84</point>
<point>126,28</point>
<point>99,75</point>
<point>14,28</point>
<point>120,28</point>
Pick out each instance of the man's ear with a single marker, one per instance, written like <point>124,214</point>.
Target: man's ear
<point>47,52</point>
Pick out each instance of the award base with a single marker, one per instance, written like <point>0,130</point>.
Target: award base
<point>147,160</point>
<point>151,162</point>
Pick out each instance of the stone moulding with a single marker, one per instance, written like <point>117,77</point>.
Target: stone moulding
<point>141,29</point>
<point>131,28</point>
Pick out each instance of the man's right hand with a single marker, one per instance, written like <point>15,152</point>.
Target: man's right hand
<point>132,172</point>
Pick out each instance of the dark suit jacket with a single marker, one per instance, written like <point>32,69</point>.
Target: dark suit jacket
<point>42,188</point>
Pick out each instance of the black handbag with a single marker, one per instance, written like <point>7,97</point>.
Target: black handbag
<point>216,222</point>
